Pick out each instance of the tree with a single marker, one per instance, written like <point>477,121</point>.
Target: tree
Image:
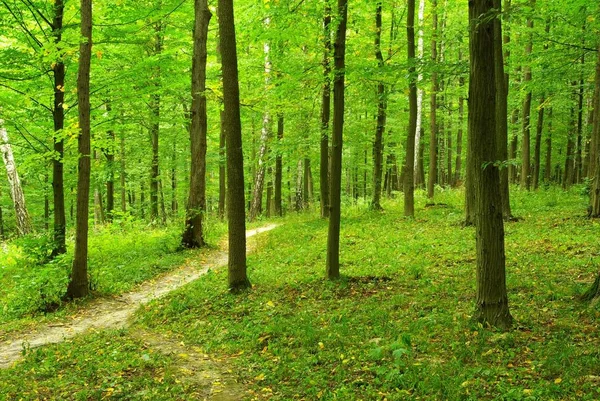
<point>381,117</point>
<point>433,135</point>
<point>236,208</point>
<point>409,176</point>
<point>492,300</point>
<point>193,235</point>
<point>78,282</point>
<point>525,144</point>
<point>325,115</point>
<point>333,236</point>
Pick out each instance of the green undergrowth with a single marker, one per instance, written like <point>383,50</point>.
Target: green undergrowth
<point>397,325</point>
<point>120,257</point>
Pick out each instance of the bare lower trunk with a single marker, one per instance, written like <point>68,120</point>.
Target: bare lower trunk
<point>408,173</point>
<point>16,191</point>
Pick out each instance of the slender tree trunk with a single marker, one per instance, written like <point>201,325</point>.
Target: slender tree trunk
<point>325,116</point>
<point>98,204</point>
<point>193,236</point>
<point>299,199</point>
<point>492,300</point>
<point>419,171</point>
<point>569,172</point>
<point>222,167</point>
<point>525,144</point>
<point>333,236</point>
<point>306,184</point>
<point>109,153</point>
<point>409,184</point>
<point>432,179</point>
<point>236,212</point>
<point>538,144</point>
<point>512,150</point>
<point>548,162</point>
<point>58,192</point>
<point>174,203</point>
<point>16,191</point>
<point>78,283</point>
<point>595,159</point>
<point>123,176</point>
<point>155,128</point>
<point>381,118</point>
<point>459,135</point>
<point>578,156</point>
<point>279,168</point>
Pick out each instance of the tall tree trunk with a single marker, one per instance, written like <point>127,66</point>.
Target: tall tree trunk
<point>279,167</point>
<point>595,159</point>
<point>16,191</point>
<point>433,140</point>
<point>299,202</point>
<point>409,184</point>
<point>525,144</point>
<point>78,283</point>
<point>193,236</point>
<point>420,172</point>
<point>333,236</point>
<point>569,172</point>
<point>222,166</point>
<point>381,118</point>
<point>109,153</point>
<point>512,150</point>
<point>325,116</point>
<point>306,184</point>
<point>492,300</point>
<point>236,212</point>
<point>58,191</point>
<point>98,204</point>
<point>459,135</point>
<point>155,127</point>
<point>501,111</point>
<point>174,203</point>
<point>578,156</point>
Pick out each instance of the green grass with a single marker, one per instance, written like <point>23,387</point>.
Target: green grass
<point>397,326</point>
<point>120,257</point>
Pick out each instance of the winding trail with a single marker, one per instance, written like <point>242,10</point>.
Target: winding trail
<point>114,313</point>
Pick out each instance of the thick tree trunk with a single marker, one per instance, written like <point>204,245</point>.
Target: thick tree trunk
<point>236,212</point>
<point>78,283</point>
<point>58,112</point>
<point>432,179</point>
<point>492,300</point>
<point>325,116</point>
<point>279,168</point>
<point>333,236</point>
<point>409,184</point>
<point>193,236</point>
<point>525,144</point>
<point>381,118</point>
<point>16,191</point>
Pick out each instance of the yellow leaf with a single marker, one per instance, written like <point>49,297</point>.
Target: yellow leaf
<point>270,304</point>
<point>260,377</point>
<point>557,380</point>
<point>99,54</point>
<point>527,391</point>
<point>321,345</point>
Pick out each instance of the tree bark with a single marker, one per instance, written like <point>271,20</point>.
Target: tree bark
<point>123,176</point>
<point>548,162</point>
<point>16,191</point>
<point>58,112</point>
<point>381,117</point>
<point>492,300</point>
<point>279,167</point>
<point>155,127</point>
<point>538,144</point>
<point>409,184</point>
<point>78,283</point>
<point>325,116</point>
<point>459,135</point>
<point>433,138</point>
<point>236,212</point>
<point>193,236</point>
<point>595,161</point>
<point>525,144</point>
<point>419,170</point>
<point>333,236</point>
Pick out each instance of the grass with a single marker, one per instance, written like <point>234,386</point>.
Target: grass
<point>397,326</point>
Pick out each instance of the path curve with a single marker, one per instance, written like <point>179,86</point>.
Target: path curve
<point>114,313</point>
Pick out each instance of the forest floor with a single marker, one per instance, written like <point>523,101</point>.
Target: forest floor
<point>115,313</point>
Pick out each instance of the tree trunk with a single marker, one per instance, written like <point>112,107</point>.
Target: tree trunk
<point>595,162</point>
<point>123,176</point>
<point>492,300</point>
<point>174,202</point>
<point>548,162</point>
<point>381,118</point>
<point>98,204</point>
<point>325,116</point>
<point>570,155</point>
<point>58,112</point>
<point>432,179</point>
<point>538,144</point>
<point>512,150</point>
<point>279,168</point>
<point>222,166</point>
<point>419,171</point>
<point>78,283</point>
<point>16,191</point>
<point>193,236</point>
<point>155,128</point>
<point>236,212</point>
<point>306,184</point>
<point>501,112</point>
<point>333,236</point>
<point>459,135</point>
<point>299,202</point>
<point>409,184</point>
<point>525,144</point>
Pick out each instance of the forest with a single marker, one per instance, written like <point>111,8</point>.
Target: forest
<point>299,200</point>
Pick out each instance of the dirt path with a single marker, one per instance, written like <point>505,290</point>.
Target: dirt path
<point>114,313</point>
